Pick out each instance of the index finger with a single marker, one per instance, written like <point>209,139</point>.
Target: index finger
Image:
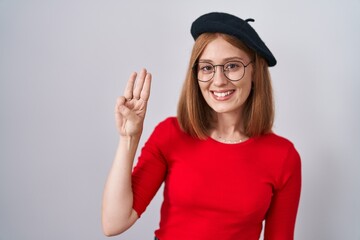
<point>145,91</point>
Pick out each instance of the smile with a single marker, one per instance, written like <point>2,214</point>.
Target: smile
<point>222,95</point>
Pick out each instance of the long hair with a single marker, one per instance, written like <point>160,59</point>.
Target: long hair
<point>196,117</point>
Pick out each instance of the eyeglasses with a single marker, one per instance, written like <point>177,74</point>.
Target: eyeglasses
<point>233,70</point>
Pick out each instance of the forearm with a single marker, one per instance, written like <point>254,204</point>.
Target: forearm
<point>130,110</point>
<point>117,209</point>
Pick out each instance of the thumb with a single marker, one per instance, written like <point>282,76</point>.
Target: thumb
<point>123,110</point>
<point>120,106</point>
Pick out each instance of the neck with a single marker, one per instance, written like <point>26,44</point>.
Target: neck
<point>228,128</point>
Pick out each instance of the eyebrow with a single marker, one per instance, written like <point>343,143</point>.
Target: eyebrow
<point>224,60</point>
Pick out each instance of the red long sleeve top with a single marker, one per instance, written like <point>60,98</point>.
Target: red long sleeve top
<point>219,191</point>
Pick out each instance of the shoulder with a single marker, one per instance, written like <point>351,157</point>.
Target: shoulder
<point>277,148</point>
<point>166,129</point>
<point>165,134</point>
<point>280,156</point>
<point>169,123</point>
<point>274,142</point>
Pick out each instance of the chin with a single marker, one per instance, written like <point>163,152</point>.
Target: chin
<point>222,110</point>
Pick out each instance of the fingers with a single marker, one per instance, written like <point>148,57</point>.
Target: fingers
<point>120,101</point>
<point>139,84</point>
<point>128,93</point>
<point>121,107</point>
<point>145,92</point>
<point>130,108</point>
<point>120,104</point>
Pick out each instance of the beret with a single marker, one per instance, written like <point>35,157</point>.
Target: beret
<point>217,22</point>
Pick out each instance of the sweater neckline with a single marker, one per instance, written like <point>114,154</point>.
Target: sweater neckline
<point>245,142</point>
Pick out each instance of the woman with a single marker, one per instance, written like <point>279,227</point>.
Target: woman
<point>224,170</point>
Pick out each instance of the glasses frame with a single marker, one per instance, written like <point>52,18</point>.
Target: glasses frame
<point>195,70</point>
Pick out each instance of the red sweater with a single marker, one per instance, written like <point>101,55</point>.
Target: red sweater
<point>219,191</point>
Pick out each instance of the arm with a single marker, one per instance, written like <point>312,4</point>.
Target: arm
<point>281,217</point>
<point>117,205</point>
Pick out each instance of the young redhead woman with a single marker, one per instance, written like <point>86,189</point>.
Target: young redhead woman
<point>225,171</point>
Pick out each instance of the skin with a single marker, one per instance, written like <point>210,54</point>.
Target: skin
<point>130,110</point>
<point>228,109</point>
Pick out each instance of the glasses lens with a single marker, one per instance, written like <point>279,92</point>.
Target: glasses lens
<point>234,70</point>
<point>204,71</point>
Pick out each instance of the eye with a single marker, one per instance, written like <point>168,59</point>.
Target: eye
<point>206,67</point>
<point>232,66</point>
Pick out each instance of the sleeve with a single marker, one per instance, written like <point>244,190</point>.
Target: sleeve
<point>150,170</point>
<point>281,216</point>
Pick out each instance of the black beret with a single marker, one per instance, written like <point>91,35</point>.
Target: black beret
<point>232,25</point>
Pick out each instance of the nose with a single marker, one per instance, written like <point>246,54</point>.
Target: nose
<point>219,78</point>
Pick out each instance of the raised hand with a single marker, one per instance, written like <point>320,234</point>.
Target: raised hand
<point>130,109</point>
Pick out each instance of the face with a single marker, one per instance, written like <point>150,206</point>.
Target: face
<point>221,94</point>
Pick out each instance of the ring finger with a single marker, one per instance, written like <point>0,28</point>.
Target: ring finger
<point>139,84</point>
<point>128,93</point>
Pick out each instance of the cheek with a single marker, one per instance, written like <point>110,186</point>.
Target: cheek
<point>244,91</point>
<point>203,88</point>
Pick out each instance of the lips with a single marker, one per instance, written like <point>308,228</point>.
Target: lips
<point>222,95</point>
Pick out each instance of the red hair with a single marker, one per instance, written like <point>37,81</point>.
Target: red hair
<point>196,117</point>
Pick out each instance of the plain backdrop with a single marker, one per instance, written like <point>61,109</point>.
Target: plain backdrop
<point>63,64</point>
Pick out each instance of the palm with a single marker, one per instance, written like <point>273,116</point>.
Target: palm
<point>131,108</point>
<point>132,125</point>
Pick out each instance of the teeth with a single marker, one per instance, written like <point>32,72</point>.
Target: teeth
<point>222,94</point>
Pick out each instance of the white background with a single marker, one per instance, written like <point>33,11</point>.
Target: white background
<point>63,64</point>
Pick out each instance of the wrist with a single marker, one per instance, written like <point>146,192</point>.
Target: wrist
<point>130,138</point>
<point>130,142</point>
